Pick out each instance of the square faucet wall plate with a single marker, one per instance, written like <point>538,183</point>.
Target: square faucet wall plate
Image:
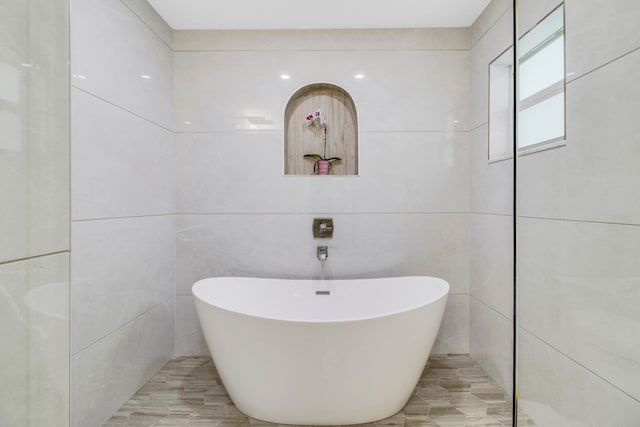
<point>323,228</point>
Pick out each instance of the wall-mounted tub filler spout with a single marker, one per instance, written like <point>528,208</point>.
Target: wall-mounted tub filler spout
<point>323,253</point>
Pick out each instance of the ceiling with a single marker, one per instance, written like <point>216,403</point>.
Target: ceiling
<point>330,14</point>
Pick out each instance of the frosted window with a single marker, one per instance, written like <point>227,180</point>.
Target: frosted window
<point>541,103</point>
<point>539,123</point>
<point>543,69</point>
<point>501,106</point>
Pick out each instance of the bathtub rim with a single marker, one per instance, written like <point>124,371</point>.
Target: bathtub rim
<point>442,295</point>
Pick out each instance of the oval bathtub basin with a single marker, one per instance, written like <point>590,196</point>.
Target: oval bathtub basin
<point>320,352</point>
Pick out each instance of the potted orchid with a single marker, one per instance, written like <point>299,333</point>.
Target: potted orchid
<point>322,164</point>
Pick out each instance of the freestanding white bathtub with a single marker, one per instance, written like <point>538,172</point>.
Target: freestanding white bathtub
<point>320,352</point>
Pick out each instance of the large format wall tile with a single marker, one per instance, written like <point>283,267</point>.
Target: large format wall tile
<point>595,177</point>
<point>34,326</point>
<point>413,172</point>
<point>555,391</point>
<point>454,330</point>
<point>610,29</point>
<point>491,261</point>
<point>120,269</point>
<point>34,189</point>
<point>399,172</point>
<point>495,41</point>
<point>401,90</point>
<point>109,372</point>
<point>112,50</point>
<point>592,401</point>
<point>151,18</point>
<point>578,291</point>
<point>34,128</point>
<point>491,183</point>
<point>488,18</point>
<point>122,165</point>
<point>491,207</point>
<point>491,342</point>
<point>282,246</point>
<point>189,338</point>
<point>541,381</point>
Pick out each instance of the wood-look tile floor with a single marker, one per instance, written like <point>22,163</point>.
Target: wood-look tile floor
<point>453,391</point>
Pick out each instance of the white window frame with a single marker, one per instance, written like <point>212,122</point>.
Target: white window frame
<point>509,154</point>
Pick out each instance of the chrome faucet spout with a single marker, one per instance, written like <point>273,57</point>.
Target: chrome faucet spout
<point>322,253</point>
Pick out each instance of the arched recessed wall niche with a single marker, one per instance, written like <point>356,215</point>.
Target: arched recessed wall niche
<point>339,112</point>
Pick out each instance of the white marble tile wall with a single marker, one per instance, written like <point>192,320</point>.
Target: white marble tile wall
<point>493,41</point>
<point>34,129</point>
<point>34,326</point>
<point>585,278</point>
<point>121,268</point>
<point>578,232</point>
<point>491,261</point>
<point>491,342</point>
<point>123,198</point>
<point>488,18</point>
<point>109,372</point>
<point>123,165</point>
<point>34,213</point>
<point>589,23</point>
<point>491,189</point>
<point>119,59</point>
<point>556,391</point>
<point>406,212</point>
<point>399,172</point>
<point>491,207</point>
<point>189,338</point>
<point>402,90</point>
<point>148,15</point>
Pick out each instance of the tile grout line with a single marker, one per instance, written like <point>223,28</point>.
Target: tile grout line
<point>490,214</point>
<point>604,65</point>
<point>489,307</point>
<point>583,221</point>
<point>578,363</point>
<point>129,322</point>
<point>478,127</point>
<point>149,26</point>
<point>473,45</point>
<point>124,217</point>
<point>121,108</point>
<point>36,256</point>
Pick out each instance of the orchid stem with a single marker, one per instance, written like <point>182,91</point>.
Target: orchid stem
<point>324,150</point>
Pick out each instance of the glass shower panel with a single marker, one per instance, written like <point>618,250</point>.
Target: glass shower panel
<point>34,213</point>
<point>578,240</point>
